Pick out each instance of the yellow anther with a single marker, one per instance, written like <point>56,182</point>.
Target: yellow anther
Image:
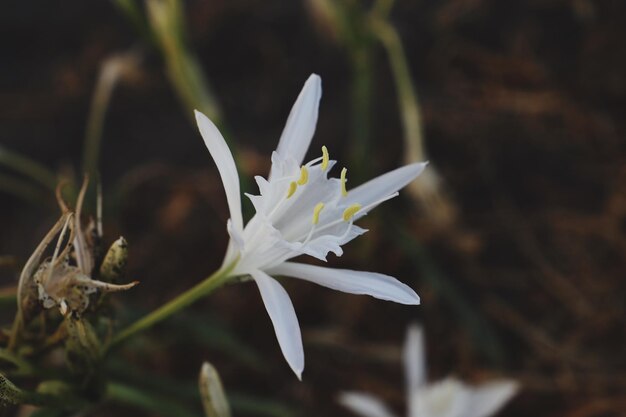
<point>325,158</point>
<point>316,212</point>
<point>292,189</point>
<point>304,176</point>
<point>351,211</point>
<point>344,192</point>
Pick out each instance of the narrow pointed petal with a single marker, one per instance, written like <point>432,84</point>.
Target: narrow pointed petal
<point>105,286</point>
<point>300,126</point>
<point>488,398</point>
<point>364,404</point>
<point>414,362</point>
<point>376,285</point>
<point>283,316</point>
<point>384,185</point>
<point>225,163</point>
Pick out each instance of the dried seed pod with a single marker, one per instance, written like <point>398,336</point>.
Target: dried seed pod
<point>114,263</point>
<point>65,281</point>
<point>212,393</point>
<point>67,287</point>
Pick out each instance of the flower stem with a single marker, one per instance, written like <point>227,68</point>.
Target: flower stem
<point>407,97</point>
<point>204,288</point>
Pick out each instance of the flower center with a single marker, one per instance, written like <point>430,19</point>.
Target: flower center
<point>314,193</point>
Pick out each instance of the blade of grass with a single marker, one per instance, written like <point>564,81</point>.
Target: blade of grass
<point>8,295</point>
<point>168,27</point>
<point>210,332</point>
<point>407,98</point>
<point>22,189</point>
<point>27,167</point>
<point>110,72</point>
<point>144,386</point>
<point>483,335</point>
<point>347,23</point>
<point>247,404</point>
<point>134,13</point>
<point>429,189</point>
<point>125,394</point>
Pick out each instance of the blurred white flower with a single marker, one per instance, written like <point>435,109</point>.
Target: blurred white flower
<point>301,211</point>
<point>447,398</point>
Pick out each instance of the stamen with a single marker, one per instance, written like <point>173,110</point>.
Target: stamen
<point>316,212</point>
<point>344,192</point>
<point>351,211</point>
<point>292,189</point>
<point>325,158</point>
<point>347,232</point>
<point>316,218</point>
<point>304,176</point>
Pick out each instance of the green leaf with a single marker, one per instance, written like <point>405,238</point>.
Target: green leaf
<point>159,404</point>
<point>9,393</point>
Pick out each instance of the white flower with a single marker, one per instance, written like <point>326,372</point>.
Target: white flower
<point>301,211</point>
<point>447,398</point>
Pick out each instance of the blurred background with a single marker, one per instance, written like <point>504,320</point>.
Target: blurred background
<point>515,238</point>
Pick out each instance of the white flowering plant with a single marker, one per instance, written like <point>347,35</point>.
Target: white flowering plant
<point>447,398</point>
<point>301,211</point>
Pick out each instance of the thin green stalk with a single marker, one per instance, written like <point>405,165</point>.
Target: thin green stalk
<point>110,72</point>
<point>382,8</point>
<point>7,299</point>
<point>429,190</point>
<point>27,167</point>
<point>125,394</point>
<point>20,188</point>
<point>201,290</point>
<point>134,13</point>
<point>347,21</point>
<point>166,19</point>
<point>23,367</point>
<point>482,333</point>
<point>362,74</point>
<point>407,98</point>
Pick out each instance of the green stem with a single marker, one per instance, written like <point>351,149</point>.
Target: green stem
<point>23,367</point>
<point>193,294</point>
<point>125,394</point>
<point>166,19</point>
<point>21,188</point>
<point>407,97</point>
<point>110,72</point>
<point>27,167</point>
<point>361,104</point>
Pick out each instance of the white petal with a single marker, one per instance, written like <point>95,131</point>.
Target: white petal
<point>300,126</point>
<point>223,158</point>
<point>364,404</point>
<point>235,235</point>
<point>384,185</point>
<point>414,362</point>
<point>446,398</point>
<point>283,316</point>
<point>488,398</point>
<point>353,282</point>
